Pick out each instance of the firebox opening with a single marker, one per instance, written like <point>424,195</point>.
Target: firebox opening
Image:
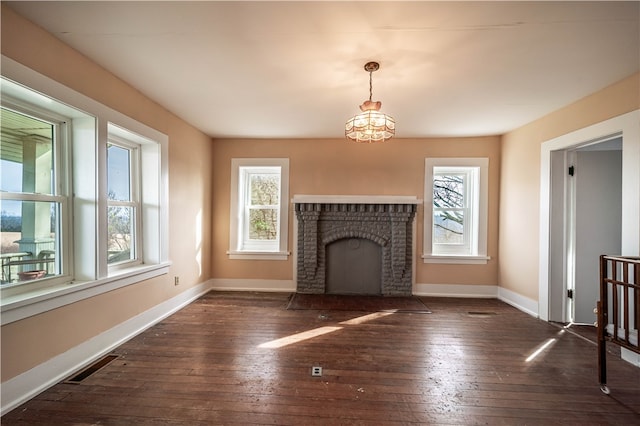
<point>354,266</point>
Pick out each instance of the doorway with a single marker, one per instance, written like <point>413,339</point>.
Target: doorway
<point>552,238</point>
<point>585,222</point>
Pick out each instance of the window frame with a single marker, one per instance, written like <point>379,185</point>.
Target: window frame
<point>90,125</point>
<point>469,209</point>
<point>60,190</point>
<point>241,168</point>
<point>246,174</point>
<point>474,249</point>
<point>134,201</point>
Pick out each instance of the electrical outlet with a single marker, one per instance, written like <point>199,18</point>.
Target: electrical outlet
<point>176,280</point>
<point>316,371</point>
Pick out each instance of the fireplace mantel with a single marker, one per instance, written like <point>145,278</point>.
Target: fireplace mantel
<point>356,199</point>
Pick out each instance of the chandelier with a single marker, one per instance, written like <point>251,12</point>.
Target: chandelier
<point>370,125</point>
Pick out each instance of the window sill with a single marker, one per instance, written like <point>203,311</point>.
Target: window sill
<point>460,260</point>
<point>258,255</point>
<point>30,303</point>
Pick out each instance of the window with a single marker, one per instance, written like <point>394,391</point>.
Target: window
<point>75,229</point>
<point>123,206</point>
<point>259,208</point>
<point>33,197</point>
<point>454,210</point>
<point>455,229</point>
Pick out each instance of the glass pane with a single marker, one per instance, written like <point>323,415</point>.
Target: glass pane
<point>30,240</point>
<point>118,173</point>
<point>265,189</point>
<point>120,220</point>
<point>26,154</point>
<point>448,227</point>
<point>263,224</point>
<point>448,191</point>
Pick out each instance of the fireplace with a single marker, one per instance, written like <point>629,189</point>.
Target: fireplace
<point>337,224</point>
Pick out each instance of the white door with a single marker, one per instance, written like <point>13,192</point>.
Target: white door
<point>598,223</point>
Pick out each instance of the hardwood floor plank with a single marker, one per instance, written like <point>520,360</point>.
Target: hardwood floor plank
<point>465,363</point>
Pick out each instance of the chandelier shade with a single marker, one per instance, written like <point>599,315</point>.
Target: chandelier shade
<point>370,125</point>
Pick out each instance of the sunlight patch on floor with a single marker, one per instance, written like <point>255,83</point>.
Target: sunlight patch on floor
<point>365,318</point>
<point>295,338</point>
<point>306,335</point>
<point>541,349</point>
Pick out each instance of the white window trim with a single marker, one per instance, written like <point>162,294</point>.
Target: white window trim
<point>481,256</point>
<point>91,124</point>
<point>235,252</point>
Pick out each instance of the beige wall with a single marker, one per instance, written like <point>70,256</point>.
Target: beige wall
<point>338,167</point>
<point>31,341</point>
<point>520,178</point>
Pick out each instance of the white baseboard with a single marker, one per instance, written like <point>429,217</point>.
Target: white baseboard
<point>240,284</point>
<point>518,301</point>
<point>27,385</point>
<point>455,290</point>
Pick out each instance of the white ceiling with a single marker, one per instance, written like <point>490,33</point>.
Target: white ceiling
<point>295,69</point>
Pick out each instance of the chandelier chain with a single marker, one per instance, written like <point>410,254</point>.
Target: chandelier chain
<point>370,85</point>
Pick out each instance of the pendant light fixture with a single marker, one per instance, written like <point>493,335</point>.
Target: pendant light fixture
<point>370,125</point>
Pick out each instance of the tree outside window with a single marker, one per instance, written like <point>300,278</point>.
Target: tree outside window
<point>449,204</point>
<point>263,206</point>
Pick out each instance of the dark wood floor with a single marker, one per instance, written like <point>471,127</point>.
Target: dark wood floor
<point>221,360</point>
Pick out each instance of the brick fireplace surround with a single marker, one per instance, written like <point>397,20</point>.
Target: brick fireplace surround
<point>385,220</point>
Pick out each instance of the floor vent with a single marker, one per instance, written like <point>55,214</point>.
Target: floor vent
<point>78,378</point>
